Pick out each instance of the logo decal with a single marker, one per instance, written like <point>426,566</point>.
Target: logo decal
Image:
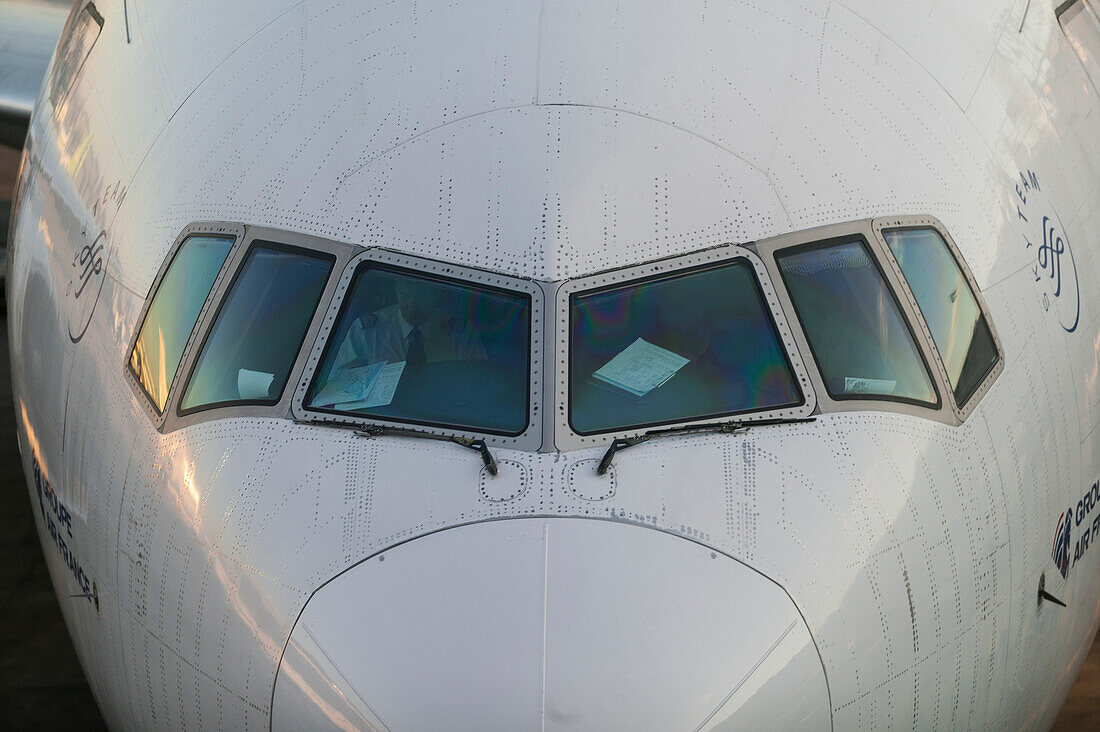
<point>1060,554</point>
<point>85,284</point>
<point>59,524</point>
<point>1054,268</point>
<point>1076,516</point>
<point>89,266</point>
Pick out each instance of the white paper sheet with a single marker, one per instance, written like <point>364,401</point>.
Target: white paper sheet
<point>253,384</point>
<point>859,385</point>
<point>641,367</point>
<point>349,385</point>
<point>381,391</point>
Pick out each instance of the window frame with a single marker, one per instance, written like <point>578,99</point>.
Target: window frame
<point>860,239</point>
<point>255,242</point>
<point>1061,10</point>
<point>281,409</point>
<point>891,223</point>
<point>530,439</point>
<point>548,425</point>
<point>60,85</point>
<point>834,234</point>
<point>565,438</point>
<point>201,228</point>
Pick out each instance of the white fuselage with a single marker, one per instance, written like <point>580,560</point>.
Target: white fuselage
<point>870,569</point>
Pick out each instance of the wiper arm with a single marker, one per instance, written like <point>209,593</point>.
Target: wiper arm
<point>378,430</point>
<point>719,427</point>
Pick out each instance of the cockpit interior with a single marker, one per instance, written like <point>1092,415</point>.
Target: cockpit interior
<point>266,323</point>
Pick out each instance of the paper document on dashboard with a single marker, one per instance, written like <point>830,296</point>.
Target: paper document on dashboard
<point>349,385</point>
<point>861,385</point>
<point>641,367</point>
<point>253,384</point>
<point>381,391</point>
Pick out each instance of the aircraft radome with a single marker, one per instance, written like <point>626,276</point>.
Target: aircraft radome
<point>554,365</point>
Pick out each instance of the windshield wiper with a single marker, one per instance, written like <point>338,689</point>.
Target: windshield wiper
<point>478,445</point>
<point>378,430</point>
<point>719,427</point>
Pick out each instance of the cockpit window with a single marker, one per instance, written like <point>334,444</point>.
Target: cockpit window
<point>681,347</point>
<point>950,309</point>
<point>79,35</point>
<point>256,336</point>
<point>1080,21</point>
<point>862,345</point>
<point>172,314</point>
<point>427,350</point>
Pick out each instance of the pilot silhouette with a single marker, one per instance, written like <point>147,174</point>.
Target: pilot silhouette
<point>417,329</point>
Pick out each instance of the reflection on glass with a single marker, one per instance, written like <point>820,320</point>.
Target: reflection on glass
<point>426,350</point>
<point>259,329</point>
<point>173,312</point>
<point>683,347</point>
<point>80,33</point>
<point>856,332</point>
<point>1081,24</point>
<point>958,328</point>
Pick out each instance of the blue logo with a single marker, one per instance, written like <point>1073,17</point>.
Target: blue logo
<point>1060,553</point>
<point>1089,534</point>
<point>1054,268</point>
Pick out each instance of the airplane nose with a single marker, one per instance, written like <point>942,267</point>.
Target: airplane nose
<point>550,624</point>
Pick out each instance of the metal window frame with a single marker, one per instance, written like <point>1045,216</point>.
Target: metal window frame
<point>565,438</point>
<point>548,428</point>
<point>1088,7</point>
<point>1064,6</point>
<point>531,437</point>
<point>328,258</point>
<point>880,226</point>
<point>281,409</point>
<point>941,412</point>
<point>200,228</point>
<point>59,97</point>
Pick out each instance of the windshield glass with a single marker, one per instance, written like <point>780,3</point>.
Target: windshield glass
<point>853,323</point>
<point>958,327</point>
<point>409,347</point>
<point>173,312</point>
<point>256,336</point>
<point>686,346</point>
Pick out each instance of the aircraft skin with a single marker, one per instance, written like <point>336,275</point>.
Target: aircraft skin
<point>28,37</point>
<point>874,568</point>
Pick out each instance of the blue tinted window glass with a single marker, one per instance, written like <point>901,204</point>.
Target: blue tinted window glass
<point>430,351</point>
<point>682,347</point>
<point>961,333</point>
<point>172,314</point>
<point>259,329</point>
<point>856,331</point>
